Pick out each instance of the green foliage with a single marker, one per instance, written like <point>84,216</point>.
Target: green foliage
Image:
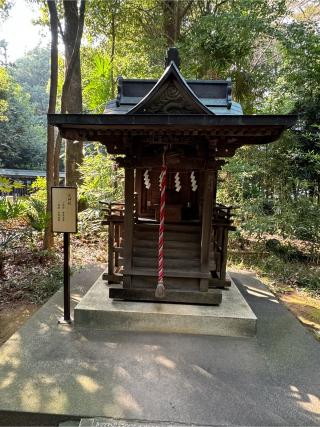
<point>89,222</point>
<point>31,72</point>
<point>283,263</point>
<point>7,185</point>
<point>11,209</point>
<point>22,138</point>
<point>4,81</point>
<point>38,189</point>
<point>36,214</point>
<point>102,179</point>
<point>97,84</point>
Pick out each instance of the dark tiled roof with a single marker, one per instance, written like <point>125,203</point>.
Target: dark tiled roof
<point>205,96</point>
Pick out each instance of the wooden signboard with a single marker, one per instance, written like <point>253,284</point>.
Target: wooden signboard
<point>64,209</point>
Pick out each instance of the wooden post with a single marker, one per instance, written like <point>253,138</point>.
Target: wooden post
<point>117,241</point>
<point>207,207</point>
<point>66,280</point>
<point>128,224</point>
<point>110,248</point>
<point>139,187</point>
<point>223,267</point>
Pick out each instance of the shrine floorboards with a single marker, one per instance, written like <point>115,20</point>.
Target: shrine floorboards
<point>50,373</point>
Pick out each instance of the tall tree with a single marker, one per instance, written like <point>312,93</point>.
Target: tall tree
<point>71,100</point>
<point>51,140</point>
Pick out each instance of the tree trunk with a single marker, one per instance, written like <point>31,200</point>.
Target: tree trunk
<point>113,48</point>
<point>173,13</point>
<point>56,159</point>
<point>72,95</point>
<point>48,235</point>
<point>169,21</point>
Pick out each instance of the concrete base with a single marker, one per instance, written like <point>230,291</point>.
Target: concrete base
<point>233,317</point>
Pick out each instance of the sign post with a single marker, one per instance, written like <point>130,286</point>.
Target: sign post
<point>64,220</point>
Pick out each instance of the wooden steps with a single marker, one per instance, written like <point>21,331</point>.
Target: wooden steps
<point>182,249</point>
<point>169,263</point>
<point>168,236</point>
<point>168,244</point>
<point>183,279</point>
<point>170,252</point>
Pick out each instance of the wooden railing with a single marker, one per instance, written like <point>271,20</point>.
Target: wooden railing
<point>222,222</point>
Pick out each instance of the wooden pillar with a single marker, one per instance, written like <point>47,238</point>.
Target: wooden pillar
<point>223,267</point>
<point>128,224</point>
<point>207,208</point>
<point>110,248</point>
<point>117,242</point>
<point>138,188</point>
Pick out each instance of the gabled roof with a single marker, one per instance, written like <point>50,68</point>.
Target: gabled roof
<point>195,96</point>
<point>170,95</point>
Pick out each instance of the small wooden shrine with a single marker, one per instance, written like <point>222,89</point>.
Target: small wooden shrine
<point>173,136</point>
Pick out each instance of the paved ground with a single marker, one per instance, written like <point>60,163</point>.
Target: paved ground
<point>273,379</point>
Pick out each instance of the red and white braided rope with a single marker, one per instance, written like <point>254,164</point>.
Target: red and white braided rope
<point>163,183</point>
<point>161,225</point>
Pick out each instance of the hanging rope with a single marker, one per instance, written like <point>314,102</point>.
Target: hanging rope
<point>160,290</point>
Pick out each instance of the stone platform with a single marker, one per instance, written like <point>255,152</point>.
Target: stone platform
<point>233,317</point>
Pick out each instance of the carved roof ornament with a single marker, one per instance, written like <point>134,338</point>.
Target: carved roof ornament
<point>171,95</point>
<point>172,55</point>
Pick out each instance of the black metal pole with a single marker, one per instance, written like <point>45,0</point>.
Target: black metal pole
<point>66,276</point>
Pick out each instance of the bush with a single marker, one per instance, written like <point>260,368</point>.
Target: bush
<point>10,210</point>
<point>39,189</point>
<point>89,222</point>
<point>37,215</point>
<point>102,179</point>
<point>285,264</point>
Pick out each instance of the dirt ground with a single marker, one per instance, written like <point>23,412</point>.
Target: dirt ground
<point>304,307</point>
<point>13,316</point>
<point>29,275</point>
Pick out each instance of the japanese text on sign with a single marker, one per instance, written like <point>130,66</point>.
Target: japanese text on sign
<point>64,209</point>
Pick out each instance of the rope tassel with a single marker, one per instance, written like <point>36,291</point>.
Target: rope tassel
<point>160,290</point>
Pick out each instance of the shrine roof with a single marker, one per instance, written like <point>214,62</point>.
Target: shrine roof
<point>172,94</point>
<point>175,108</point>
